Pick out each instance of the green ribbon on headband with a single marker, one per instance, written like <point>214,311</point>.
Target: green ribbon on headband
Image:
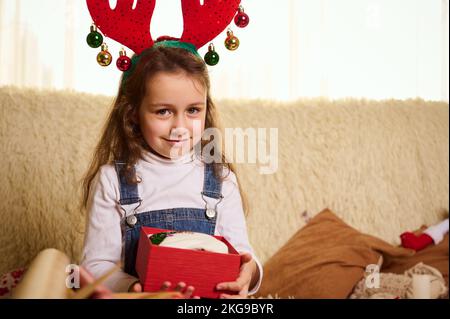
<point>168,44</point>
<point>177,44</point>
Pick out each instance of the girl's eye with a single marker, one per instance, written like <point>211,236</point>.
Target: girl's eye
<point>193,110</point>
<point>162,112</point>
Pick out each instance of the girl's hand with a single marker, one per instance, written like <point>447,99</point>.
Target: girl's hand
<point>181,287</point>
<point>187,292</point>
<point>136,287</point>
<point>100,292</point>
<point>242,283</point>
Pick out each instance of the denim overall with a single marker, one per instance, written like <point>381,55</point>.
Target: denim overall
<point>202,220</point>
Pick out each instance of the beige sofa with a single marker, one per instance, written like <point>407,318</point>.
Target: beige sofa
<point>382,166</point>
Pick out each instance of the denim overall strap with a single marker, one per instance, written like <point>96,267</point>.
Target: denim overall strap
<point>128,193</point>
<point>212,186</point>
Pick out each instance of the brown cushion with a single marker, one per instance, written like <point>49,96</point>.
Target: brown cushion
<point>433,255</point>
<point>324,259</point>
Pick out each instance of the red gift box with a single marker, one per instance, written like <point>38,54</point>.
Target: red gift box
<point>201,269</point>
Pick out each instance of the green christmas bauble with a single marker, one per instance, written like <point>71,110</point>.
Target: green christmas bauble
<point>212,58</point>
<point>94,39</point>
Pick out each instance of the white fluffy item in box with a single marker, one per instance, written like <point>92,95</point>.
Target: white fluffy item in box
<point>194,241</point>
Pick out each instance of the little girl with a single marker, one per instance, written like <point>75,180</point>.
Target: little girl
<point>146,172</point>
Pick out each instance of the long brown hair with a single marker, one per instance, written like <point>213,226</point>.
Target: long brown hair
<point>121,138</point>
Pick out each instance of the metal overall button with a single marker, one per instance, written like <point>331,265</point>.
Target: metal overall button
<point>211,213</point>
<point>132,220</point>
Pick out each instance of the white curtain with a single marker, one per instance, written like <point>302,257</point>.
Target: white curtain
<point>292,48</point>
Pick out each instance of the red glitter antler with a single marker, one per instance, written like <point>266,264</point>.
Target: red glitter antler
<point>128,26</point>
<point>203,23</point>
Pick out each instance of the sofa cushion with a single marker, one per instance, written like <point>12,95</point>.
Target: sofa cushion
<point>324,259</point>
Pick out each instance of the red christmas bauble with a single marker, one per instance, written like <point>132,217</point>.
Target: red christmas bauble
<point>123,63</point>
<point>242,19</point>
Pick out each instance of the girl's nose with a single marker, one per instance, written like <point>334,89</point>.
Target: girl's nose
<point>179,122</point>
<point>179,132</point>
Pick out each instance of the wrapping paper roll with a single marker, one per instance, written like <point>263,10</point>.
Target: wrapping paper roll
<point>45,278</point>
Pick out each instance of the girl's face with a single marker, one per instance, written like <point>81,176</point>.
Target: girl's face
<point>172,104</point>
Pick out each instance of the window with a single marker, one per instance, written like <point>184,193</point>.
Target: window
<point>292,48</point>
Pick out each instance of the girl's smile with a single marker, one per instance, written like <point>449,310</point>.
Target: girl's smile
<point>177,143</point>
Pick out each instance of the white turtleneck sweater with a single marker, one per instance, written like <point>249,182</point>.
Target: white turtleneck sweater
<point>165,184</point>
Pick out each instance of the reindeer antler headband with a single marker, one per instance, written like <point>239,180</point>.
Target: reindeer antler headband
<point>131,27</point>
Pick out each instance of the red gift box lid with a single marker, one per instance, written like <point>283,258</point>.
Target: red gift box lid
<point>201,269</point>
